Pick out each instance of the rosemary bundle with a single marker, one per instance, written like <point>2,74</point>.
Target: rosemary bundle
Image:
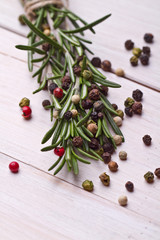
<point>77,89</point>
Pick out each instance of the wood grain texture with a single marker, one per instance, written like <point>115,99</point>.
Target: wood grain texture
<point>129,20</point>
<point>36,206</point>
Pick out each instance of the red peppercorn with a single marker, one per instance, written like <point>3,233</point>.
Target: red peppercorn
<point>14,167</point>
<point>26,112</point>
<point>58,92</point>
<point>59,151</point>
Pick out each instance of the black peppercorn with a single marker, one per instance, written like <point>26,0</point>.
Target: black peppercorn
<point>77,141</point>
<point>96,62</point>
<point>80,58</point>
<point>68,115</point>
<point>46,46</point>
<point>114,106</point>
<point>87,104</point>
<point>137,107</point>
<point>106,65</point>
<point>77,70</point>
<point>104,90</point>
<point>134,61</point>
<point>148,37</point>
<point>65,85</point>
<point>46,103</point>
<point>94,116</point>
<point>106,157</point>
<point>94,94</point>
<point>147,140</point>
<point>98,106</point>
<point>129,44</point>
<point>128,111</point>
<point>137,95</point>
<point>146,50</point>
<point>93,86</point>
<point>94,144</point>
<point>52,86</point>
<point>108,147</point>
<point>157,172</point>
<point>144,59</point>
<point>66,79</point>
<point>129,186</point>
<point>100,115</point>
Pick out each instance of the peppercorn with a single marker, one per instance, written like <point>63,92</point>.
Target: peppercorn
<point>129,102</point>
<point>117,139</point>
<point>47,32</point>
<point>24,102</point>
<point>46,47</point>
<point>104,90</point>
<point>98,106</point>
<point>65,85</point>
<point>147,140</point>
<point>148,37</point>
<point>75,99</point>
<point>26,110</point>
<point>144,59</point>
<point>146,50</point>
<point>45,26</point>
<point>128,111</point>
<point>99,151</point>
<point>106,66</point>
<point>105,179</point>
<point>96,62</point>
<point>137,107</point>
<point>66,79</point>
<point>120,113</point>
<point>134,61</point>
<point>14,167</point>
<point>94,94</point>
<point>77,141</point>
<point>90,121</point>
<point>55,114</point>
<point>129,186</point>
<point>68,115</point>
<point>46,103</point>
<point>123,200</point>
<point>93,86</point>
<point>94,144</point>
<point>114,106</point>
<point>87,74</point>
<point>108,147</point>
<point>20,18</point>
<point>106,157</point>
<point>137,95</point>
<point>74,113</point>
<point>119,72</point>
<point>113,166</point>
<point>118,121</point>
<point>59,151</point>
<point>87,104</point>
<point>58,93</point>
<point>94,116</point>
<point>123,155</point>
<point>129,44</point>
<point>149,177</point>
<point>52,86</point>
<point>100,115</point>
<point>136,52</point>
<point>157,172</point>
<point>77,70</point>
<point>80,58</point>
<point>92,127</point>
<point>88,185</point>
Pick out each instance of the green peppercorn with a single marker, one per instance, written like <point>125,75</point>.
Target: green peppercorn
<point>24,102</point>
<point>120,113</point>
<point>105,179</point>
<point>136,52</point>
<point>88,185</point>
<point>149,177</point>
<point>99,151</point>
<point>129,102</point>
<point>87,74</point>
<point>134,61</point>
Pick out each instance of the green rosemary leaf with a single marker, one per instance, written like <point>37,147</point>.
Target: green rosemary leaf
<point>99,131</point>
<point>41,86</point>
<point>38,59</point>
<point>66,105</point>
<point>105,82</point>
<point>49,134</point>
<point>79,48</point>
<point>56,103</point>
<point>75,165</point>
<point>58,9</point>
<point>36,44</point>
<point>51,114</point>
<point>76,25</point>
<point>55,77</point>
<point>83,39</point>
<point>69,39</point>
<point>57,132</point>
<point>30,56</point>
<point>107,107</point>
<point>60,166</point>
<point>49,148</point>
<point>80,131</point>
<point>86,131</point>
<point>95,70</point>
<point>68,57</point>
<point>79,158</point>
<point>58,63</point>
<point>88,26</point>
<point>30,48</point>
<point>39,77</point>
<point>84,91</point>
<point>87,154</point>
<point>86,48</point>
<point>65,68</point>
<point>84,119</point>
<point>95,154</point>
<point>55,164</point>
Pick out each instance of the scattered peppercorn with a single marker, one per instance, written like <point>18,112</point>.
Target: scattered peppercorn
<point>114,106</point>
<point>134,61</point>
<point>108,147</point>
<point>45,26</point>
<point>46,46</point>
<point>157,172</point>
<point>80,58</point>
<point>93,86</point>
<point>88,185</point>
<point>55,114</point>
<point>129,44</point>
<point>148,37</point>
<point>117,139</point>
<point>123,155</point>
<point>113,166</point>
<point>68,115</point>
<point>104,90</point>
<point>87,104</point>
<point>100,115</point>
<point>66,79</point>
<point>58,92</point>
<point>94,144</point>
<point>26,112</point>
<point>123,200</point>
<point>20,18</point>
<point>129,102</point>
<point>118,121</point>
<point>106,66</point>
<point>94,94</point>
<point>59,151</point>
<point>24,102</point>
<point>119,72</point>
<point>92,127</point>
<point>120,113</point>
<point>149,177</point>
<point>47,32</point>
<point>46,103</point>
<point>74,113</point>
<point>137,95</point>
<point>99,151</point>
<point>87,74</point>
<point>128,111</point>
<point>14,167</point>
<point>106,157</point>
<point>98,106</point>
<point>105,179</point>
<point>129,186</point>
<point>146,50</point>
<point>136,52</point>
<point>147,140</point>
<point>77,70</point>
<point>75,99</point>
<point>144,59</point>
<point>137,107</point>
<point>94,116</point>
<point>52,86</point>
<point>96,62</point>
<point>65,85</point>
<point>77,141</point>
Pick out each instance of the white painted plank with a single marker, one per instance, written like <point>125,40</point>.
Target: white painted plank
<point>36,206</point>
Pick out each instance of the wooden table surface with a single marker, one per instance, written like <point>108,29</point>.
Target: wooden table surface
<point>36,205</point>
